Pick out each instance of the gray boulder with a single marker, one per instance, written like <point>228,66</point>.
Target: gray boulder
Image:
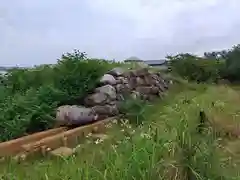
<point>96,99</point>
<point>116,71</point>
<point>108,90</point>
<point>74,115</point>
<point>109,110</point>
<point>144,89</point>
<point>108,79</point>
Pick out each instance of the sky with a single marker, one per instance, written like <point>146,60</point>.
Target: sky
<point>40,31</point>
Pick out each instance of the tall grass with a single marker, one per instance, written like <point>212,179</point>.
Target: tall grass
<point>165,146</point>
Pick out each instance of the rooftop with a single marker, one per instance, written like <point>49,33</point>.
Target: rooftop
<point>155,62</point>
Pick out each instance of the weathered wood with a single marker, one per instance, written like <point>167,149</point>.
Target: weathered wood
<point>51,139</point>
<point>63,139</point>
<point>11,147</point>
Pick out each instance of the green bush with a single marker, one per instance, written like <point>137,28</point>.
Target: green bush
<point>232,71</point>
<point>196,69</point>
<point>30,96</point>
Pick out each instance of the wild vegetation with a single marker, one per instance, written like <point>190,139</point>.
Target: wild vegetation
<point>166,146</point>
<point>29,97</point>
<point>210,68</point>
<point>193,133</point>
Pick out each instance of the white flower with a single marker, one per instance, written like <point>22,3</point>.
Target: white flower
<point>109,125</point>
<point>129,126</point>
<point>132,132</point>
<point>89,135</point>
<point>127,138</point>
<point>145,135</point>
<point>114,146</point>
<point>114,121</point>
<point>98,141</point>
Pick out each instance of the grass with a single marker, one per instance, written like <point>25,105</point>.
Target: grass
<point>166,146</point>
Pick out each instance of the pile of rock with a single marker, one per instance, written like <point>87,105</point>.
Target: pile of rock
<point>114,87</point>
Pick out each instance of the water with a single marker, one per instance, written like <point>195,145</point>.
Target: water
<point>2,72</point>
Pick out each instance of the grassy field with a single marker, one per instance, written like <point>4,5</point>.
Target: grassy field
<point>166,146</point>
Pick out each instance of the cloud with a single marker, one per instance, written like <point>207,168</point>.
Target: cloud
<point>35,32</point>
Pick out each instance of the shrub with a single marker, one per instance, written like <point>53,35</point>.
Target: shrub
<point>232,71</point>
<point>32,95</point>
<point>196,69</point>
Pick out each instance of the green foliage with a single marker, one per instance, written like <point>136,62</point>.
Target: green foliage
<point>30,96</point>
<point>133,110</point>
<point>224,64</point>
<point>165,147</point>
<point>232,71</point>
<point>196,69</point>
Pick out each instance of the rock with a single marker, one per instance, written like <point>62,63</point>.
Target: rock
<point>62,152</point>
<point>73,115</point>
<point>123,88</point>
<point>127,74</point>
<point>163,82</point>
<point>140,81</point>
<point>122,80</point>
<point>120,97</point>
<point>108,99</point>
<point>154,90</point>
<point>155,76</point>
<point>116,71</point>
<point>117,104</point>
<point>96,99</point>
<point>108,90</point>
<point>108,79</point>
<point>144,89</point>
<point>105,110</point>
<point>152,97</point>
<point>135,95</point>
<point>132,83</point>
<point>161,87</point>
<point>161,95</point>
<point>119,88</point>
<point>141,72</point>
<point>125,81</point>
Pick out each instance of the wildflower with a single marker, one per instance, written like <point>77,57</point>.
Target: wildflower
<point>145,135</point>
<point>114,121</point>
<point>129,126</point>
<point>118,142</point>
<point>109,125</point>
<point>127,138</point>
<point>132,132</point>
<point>89,135</point>
<point>98,141</point>
<point>78,146</point>
<point>114,146</point>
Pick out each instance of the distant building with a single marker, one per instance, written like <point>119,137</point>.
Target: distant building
<point>162,64</point>
<point>156,62</point>
<point>133,59</point>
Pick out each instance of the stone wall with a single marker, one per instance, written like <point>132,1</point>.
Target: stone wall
<point>114,86</point>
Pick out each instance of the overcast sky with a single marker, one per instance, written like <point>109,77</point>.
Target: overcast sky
<point>39,31</point>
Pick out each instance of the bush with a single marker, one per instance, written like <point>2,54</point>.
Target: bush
<point>196,69</point>
<point>32,95</point>
<point>232,71</point>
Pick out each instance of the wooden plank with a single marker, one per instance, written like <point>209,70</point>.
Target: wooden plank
<point>15,146</point>
<point>62,139</point>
